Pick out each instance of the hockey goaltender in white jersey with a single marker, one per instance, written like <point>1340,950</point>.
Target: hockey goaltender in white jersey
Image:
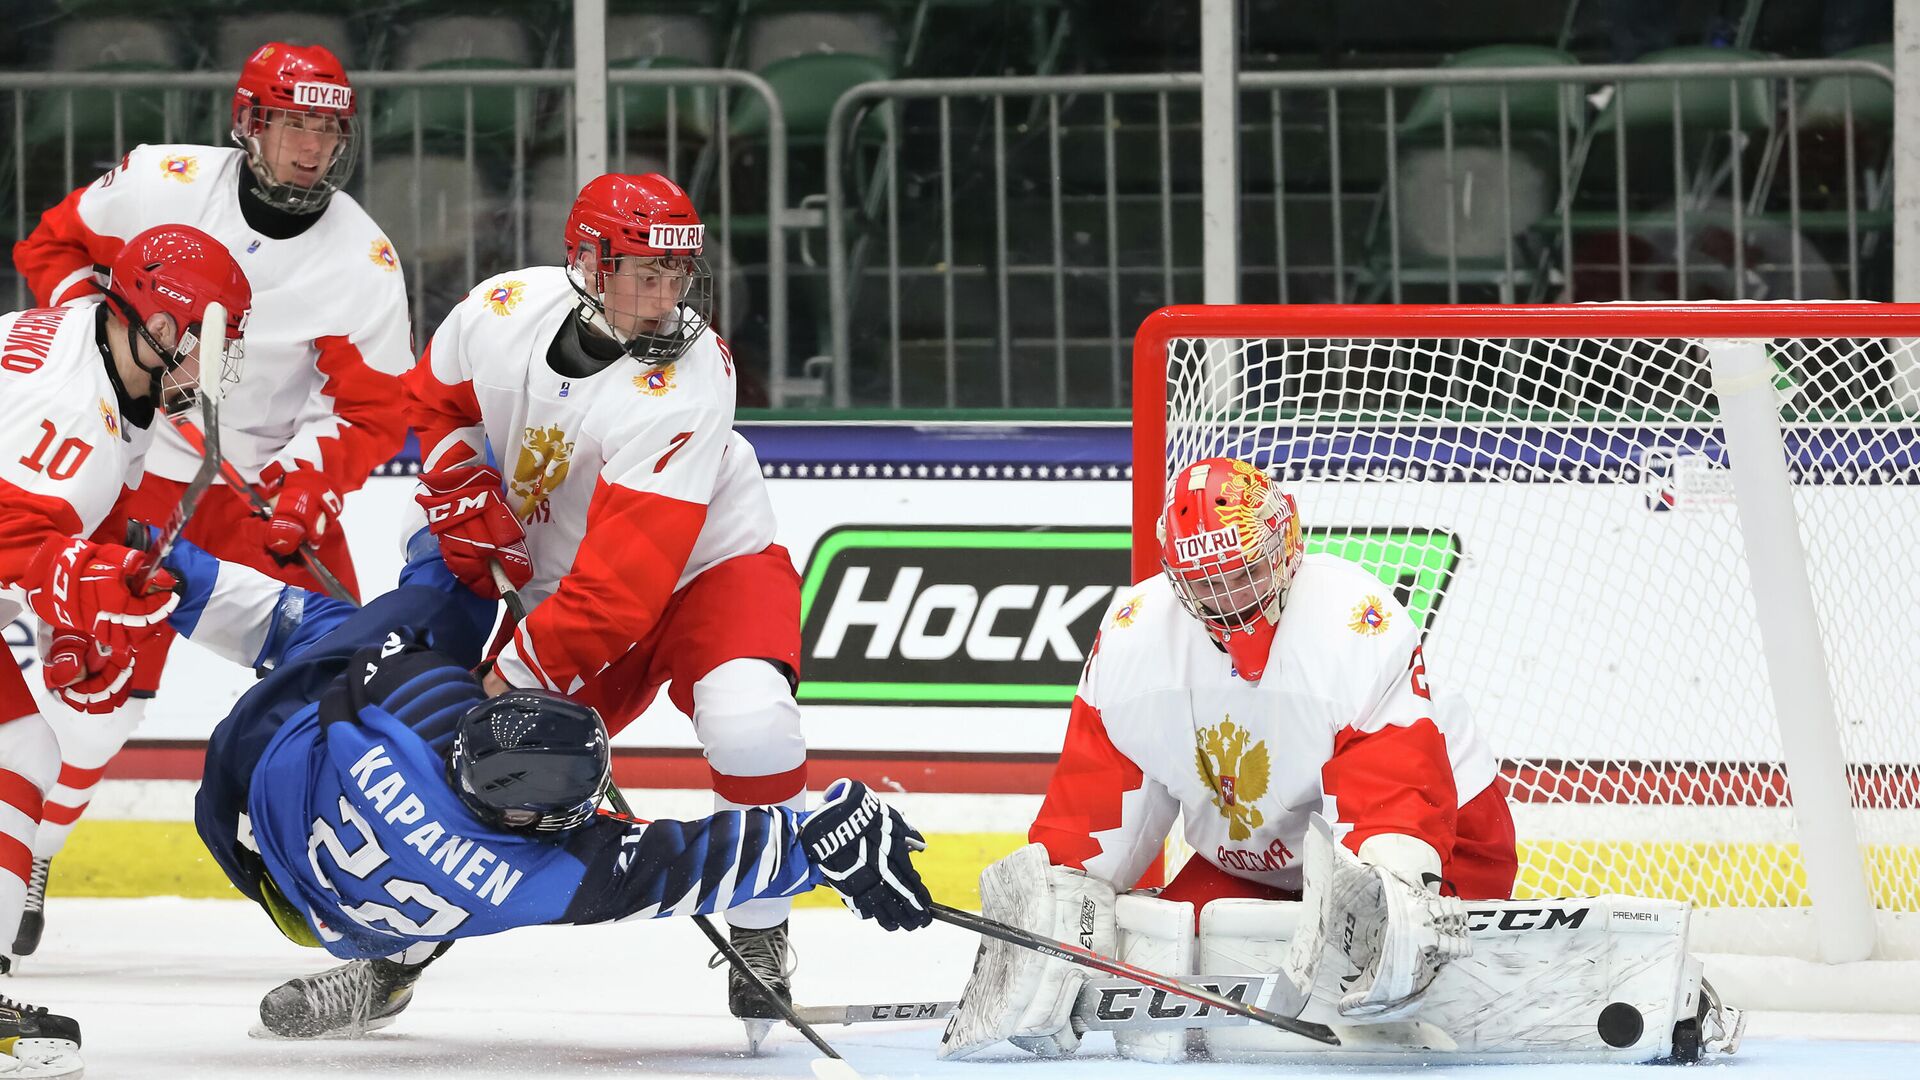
<point>1353,849</point>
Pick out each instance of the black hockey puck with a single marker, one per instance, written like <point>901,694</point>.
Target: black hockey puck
<point>1621,1024</point>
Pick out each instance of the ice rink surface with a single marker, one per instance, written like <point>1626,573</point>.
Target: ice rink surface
<point>167,989</point>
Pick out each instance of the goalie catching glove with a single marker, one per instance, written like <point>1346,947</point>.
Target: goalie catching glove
<point>468,515</point>
<point>861,846</point>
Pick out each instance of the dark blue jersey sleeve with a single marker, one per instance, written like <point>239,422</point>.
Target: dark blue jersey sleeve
<point>634,869</point>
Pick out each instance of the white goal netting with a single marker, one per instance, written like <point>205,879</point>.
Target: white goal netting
<point>1558,515</point>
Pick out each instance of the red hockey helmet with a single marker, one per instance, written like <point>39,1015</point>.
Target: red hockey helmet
<point>177,270</point>
<point>633,254</point>
<point>1230,544</point>
<point>301,91</point>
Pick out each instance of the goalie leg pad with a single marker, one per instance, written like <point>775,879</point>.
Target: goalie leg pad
<point>1157,935</point>
<point>1599,979</point>
<point>1018,994</point>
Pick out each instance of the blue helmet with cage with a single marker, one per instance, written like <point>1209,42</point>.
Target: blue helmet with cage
<point>530,760</point>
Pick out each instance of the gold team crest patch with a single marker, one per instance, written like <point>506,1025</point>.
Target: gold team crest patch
<point>505,296</point>
<point>654,382</point>
<point>1237,774</point>
<point>1370,617</point>
<point>1129,611</point>
<point>382,256</point>
<point>110,418</point>
<point>545,455</point>
<point>182,167</point>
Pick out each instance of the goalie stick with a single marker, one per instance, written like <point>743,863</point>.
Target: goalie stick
<point>329,583</point>
<point>1074,954</point>
<point>1103,1005</point>
<point>213,341</point>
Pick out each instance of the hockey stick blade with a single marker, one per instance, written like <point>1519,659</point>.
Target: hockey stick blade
<point>1074,954</point>
<point>1103,1005</point>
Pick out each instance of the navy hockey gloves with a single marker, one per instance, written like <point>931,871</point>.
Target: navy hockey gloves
<point>861,846</point>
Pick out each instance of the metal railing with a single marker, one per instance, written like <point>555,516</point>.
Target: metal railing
<point>981,238</point>
<point>470,173</point>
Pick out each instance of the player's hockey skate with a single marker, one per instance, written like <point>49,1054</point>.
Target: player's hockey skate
<point>37,1044</point>
<point>769,953</point>
<point>33,918</point>
<point>344,1002</point>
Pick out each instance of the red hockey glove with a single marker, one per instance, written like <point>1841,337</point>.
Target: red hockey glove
<point>466,511</point>
<point>94,589</point>
<point>87,679</point>
<point>304,505</point>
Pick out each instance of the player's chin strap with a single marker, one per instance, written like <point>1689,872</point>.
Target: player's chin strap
<point>170,359</point>
<point>593,312</point>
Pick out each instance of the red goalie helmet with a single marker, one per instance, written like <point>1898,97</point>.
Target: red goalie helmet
<point>177,270</point>
<point>633,254</point>
<point>302,93</point>
<point>1230,544</point>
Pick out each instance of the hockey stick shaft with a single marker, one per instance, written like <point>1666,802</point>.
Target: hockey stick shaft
<point>329,582</point>
<point>515,606</point>
<point>1074,954</point>
<point>213,346</point>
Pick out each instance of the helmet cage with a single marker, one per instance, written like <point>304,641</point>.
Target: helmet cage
<point>174,392</point>
<point>673,333</point>
<point>1233,589</point>
<point>250,123</point>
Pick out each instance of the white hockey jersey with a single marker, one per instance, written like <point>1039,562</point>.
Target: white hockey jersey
<point>630,481</point>
<point>1341,723</point>
<point>66,452</point>
<point>328,335</point>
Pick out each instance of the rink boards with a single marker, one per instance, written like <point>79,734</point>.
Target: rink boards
<point>953,577</point>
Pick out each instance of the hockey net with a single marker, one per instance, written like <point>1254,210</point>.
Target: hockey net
<point>1549,492</point>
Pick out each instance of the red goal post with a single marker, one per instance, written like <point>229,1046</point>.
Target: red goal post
<point>1644,541</point>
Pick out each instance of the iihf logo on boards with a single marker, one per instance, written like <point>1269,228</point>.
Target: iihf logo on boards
<point>1684,478</point>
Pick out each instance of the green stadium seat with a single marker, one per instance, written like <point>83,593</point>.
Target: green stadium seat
<point>1704,104</point>
<point>91,43</point>
<point>443,110</point>
<point>143,117</point>
<point>807,86</point>
<point>457,43</point>
<point>1828,97</point>
<point>1530,106</point>
<point>652,110</point>
<point>237,36</point>
<point>687,35</point>
<point>790,28</point>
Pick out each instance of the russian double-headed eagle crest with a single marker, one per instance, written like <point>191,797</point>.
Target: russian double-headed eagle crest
<point>545,455</point>
<point>1370,617</point>
<point>1237,773</point>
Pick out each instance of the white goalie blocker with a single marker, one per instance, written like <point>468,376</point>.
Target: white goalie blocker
<point>1399,974</point>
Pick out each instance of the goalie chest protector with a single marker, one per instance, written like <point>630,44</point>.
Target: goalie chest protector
<point>1244,760</point>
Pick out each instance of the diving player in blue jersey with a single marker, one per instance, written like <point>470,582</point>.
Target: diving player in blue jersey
<point>370,796</point>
